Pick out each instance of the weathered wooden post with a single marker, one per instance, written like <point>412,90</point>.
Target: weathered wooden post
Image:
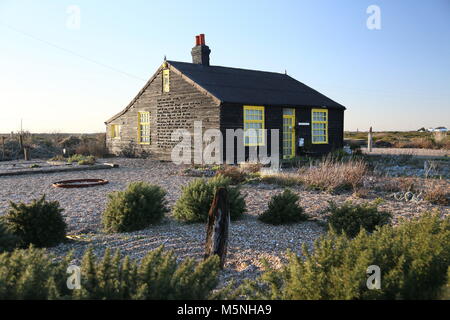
<point>21,142</point>
<point>26,154</point>
<point>369,140</point>
<point>217,228</point>
<point>3,147</point>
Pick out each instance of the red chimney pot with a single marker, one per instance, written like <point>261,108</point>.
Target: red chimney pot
<point>202,39</point>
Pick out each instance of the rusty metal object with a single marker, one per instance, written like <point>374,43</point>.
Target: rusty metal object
<point>79,183</point>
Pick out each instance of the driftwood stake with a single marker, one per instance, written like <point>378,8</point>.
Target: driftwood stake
<point>3,146</point>
<point>217,228</point>
<point>26,154</point>
<point>369,140</point>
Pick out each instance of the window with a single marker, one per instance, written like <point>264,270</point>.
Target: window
<point>166,80</point>
<point>144,127</point>
<point>319,126</point>
<point>253,126</point>
<point>115,131</point>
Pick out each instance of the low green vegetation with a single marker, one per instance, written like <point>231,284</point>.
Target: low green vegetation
<point>413,259</point>
<point>197,196</point>
<point>350,218</point>
<point>81,159</point>
<point>135,208</point>
<point>8,241</point>
<point>39,223</point>
<point>283,208</point>
<point>34,274</point>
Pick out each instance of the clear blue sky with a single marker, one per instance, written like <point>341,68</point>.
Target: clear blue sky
<point>60,79</point>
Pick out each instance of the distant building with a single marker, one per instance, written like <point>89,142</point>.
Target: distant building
<point>437,129</point>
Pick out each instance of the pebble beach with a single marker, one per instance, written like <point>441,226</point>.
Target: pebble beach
<point>249,240</point>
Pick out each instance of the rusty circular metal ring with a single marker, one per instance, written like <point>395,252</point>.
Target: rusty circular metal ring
<point>79,183</point>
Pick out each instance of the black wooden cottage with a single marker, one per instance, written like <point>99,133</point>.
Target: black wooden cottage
<point>180,93</point>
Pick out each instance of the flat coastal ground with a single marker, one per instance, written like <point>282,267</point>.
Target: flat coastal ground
<point>250,240</point>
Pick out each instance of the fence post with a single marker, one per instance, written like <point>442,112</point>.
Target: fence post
<point>217,228</point>
<point>369,140</point>
<point>3,147</point>
<point>26,154</point>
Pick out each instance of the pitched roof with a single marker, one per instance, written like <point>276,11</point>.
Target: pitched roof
<point>254,87</point>
<point>245,86</point>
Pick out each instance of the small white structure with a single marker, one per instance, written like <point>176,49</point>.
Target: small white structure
<point>437,129</point>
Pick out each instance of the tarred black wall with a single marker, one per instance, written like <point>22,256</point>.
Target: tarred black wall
<point>232,117</point>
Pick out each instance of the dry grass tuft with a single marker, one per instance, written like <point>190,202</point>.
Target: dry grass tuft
<point>93,146</point>
<point>249,167</point>
<point>236,174</point>
<point>437,192</point>
<point>282,179</point>
<point>334,176</point>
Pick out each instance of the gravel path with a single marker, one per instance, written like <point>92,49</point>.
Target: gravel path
<point>250,240</point>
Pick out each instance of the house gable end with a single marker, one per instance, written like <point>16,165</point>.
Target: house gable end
<point>150,81</point>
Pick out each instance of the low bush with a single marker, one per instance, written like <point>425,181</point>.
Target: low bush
<point>334,176</point>
<point>283,208</point>
<point>250,167</point>
<point>8,241</point>
<point>81,159</point>
<point>139,206</point>
<point>437,193</point>
<point>95,146</point>
<point>33,274</point>
<point>76,158</point>
<point>281,179</point>
<point>197,197</point>
<point>445,293</point>
<point>234,173</point>
<point>39,223</point>
<point>349,218</point>
<point>158,276</point>
<point>88,161</point>
<point>413,259</point>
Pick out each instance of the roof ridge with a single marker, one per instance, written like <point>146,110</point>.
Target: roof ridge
<point>225,67</point>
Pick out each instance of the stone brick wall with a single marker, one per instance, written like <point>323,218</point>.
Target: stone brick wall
<point>177,109</point>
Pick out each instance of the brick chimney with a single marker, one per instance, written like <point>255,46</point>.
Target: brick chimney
<point>200,53</point>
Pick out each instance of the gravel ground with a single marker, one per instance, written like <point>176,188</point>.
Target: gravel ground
<point>250,240</point>
<point>408,151</point>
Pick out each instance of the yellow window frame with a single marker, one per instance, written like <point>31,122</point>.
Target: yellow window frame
<point>143,123</point>
<point>166,80</point>
<point>115,131</point>
<point>260,121</point>
<point>292,131</point>
<point>325,111</point>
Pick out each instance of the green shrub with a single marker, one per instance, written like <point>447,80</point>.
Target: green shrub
<point>88,161</point>
<point>413,259</point>
<point>350,218</point>
<point>139,206</point>
<point>283,208</point>
<point>82,159</point>
<point>39,223</point>
<point>445,293</point>
<point>197,196</point>
<point>33,274</point>
<point>8,241</point>
<point>159,276</point>
<point>76,158</point>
